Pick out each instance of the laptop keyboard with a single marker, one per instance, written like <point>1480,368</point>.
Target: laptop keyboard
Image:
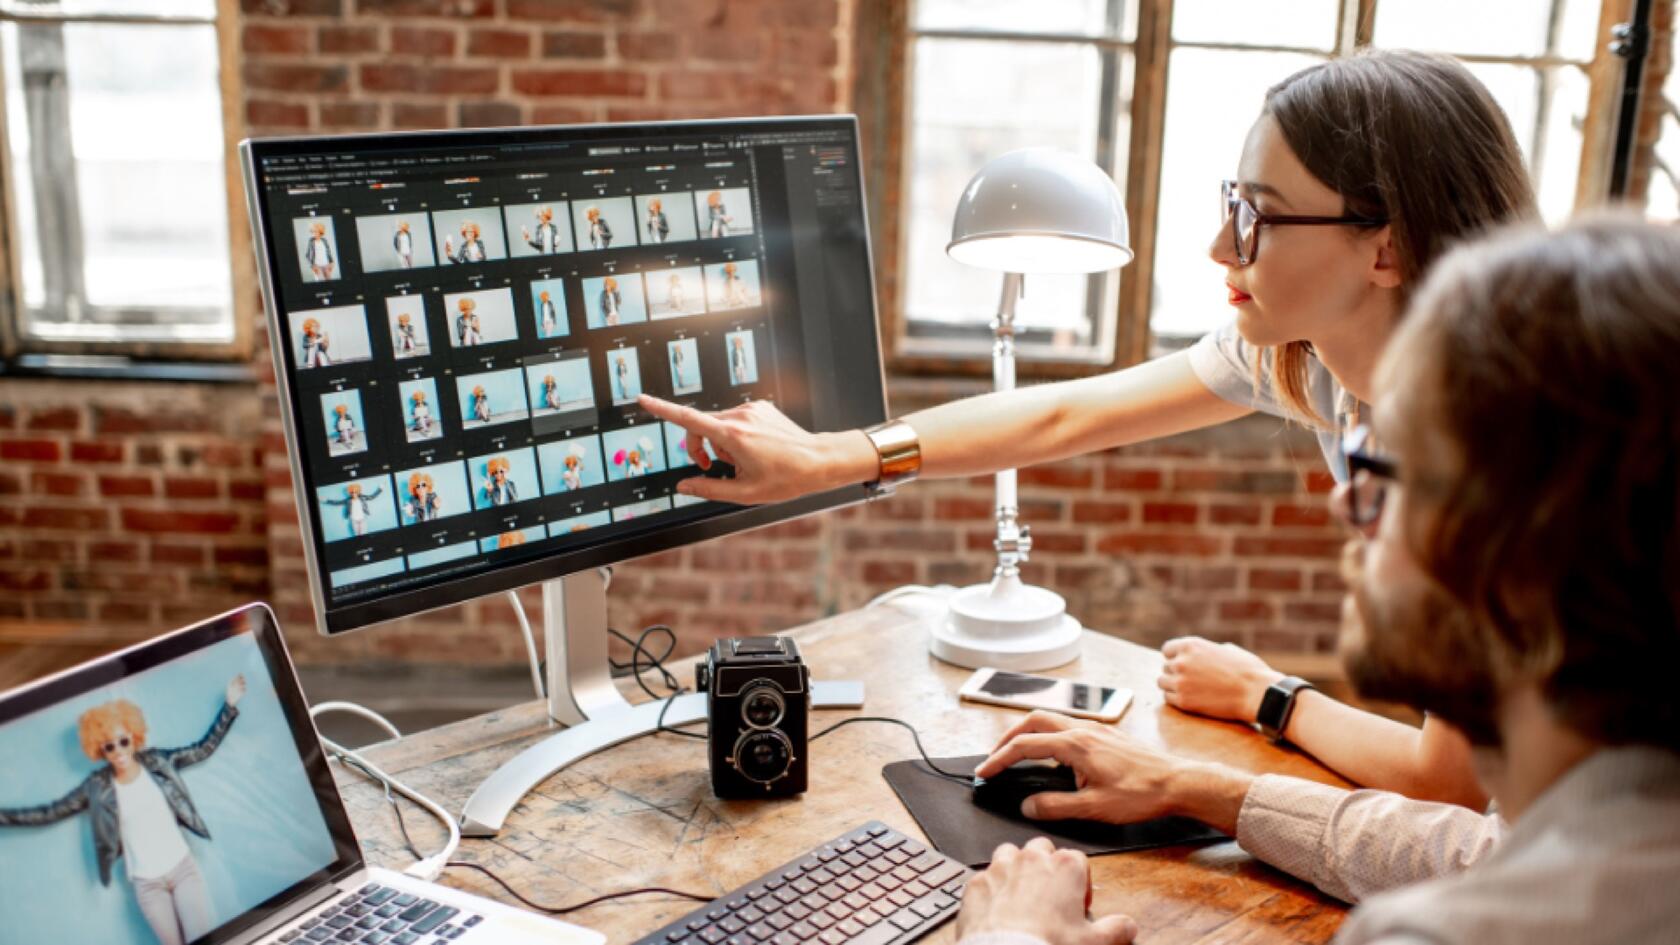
<point>380,915</point>
<point>871,886</point>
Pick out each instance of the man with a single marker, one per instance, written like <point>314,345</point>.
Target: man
<point>1518,574</point>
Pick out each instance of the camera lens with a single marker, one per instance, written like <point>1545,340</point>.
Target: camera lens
<point>762,707</point>
<point>763,755</point>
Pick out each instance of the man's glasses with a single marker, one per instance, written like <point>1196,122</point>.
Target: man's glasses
<point>1369,476</point>
<point>111,746</point>
<point>1245,221</point>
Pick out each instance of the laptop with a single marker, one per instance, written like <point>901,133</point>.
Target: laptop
<point>176,792</point>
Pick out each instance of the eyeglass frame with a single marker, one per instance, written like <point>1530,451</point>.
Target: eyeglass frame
<point>1230,200</point>
<point>1378,471</point>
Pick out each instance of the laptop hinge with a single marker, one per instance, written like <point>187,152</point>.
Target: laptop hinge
<point>304,903</point>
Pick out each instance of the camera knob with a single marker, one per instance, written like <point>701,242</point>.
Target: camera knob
<point>762,755</point>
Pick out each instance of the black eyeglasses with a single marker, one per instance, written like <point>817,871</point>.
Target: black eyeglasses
<point>1369,476</point>
<point>112,746</point>
<point>1245,221</point>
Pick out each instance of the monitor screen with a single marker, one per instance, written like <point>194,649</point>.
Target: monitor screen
<point>463,322</point>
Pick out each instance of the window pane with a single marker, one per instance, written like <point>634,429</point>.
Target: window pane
<point>1066,17</point>
<point>133,231</point>
<point>1551,150</point>
<point>1308,23</point>
<point>1487,27</point>
<point>202,9</point>
<point>1208,117</point>
<point>1012,95</point>
<point>1662,198</point>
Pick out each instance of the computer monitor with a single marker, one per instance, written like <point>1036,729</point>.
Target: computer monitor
<point>461,322</point>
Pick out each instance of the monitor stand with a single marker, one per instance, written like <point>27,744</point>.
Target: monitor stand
<point>583,697</point>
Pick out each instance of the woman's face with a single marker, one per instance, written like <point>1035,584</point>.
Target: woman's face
<point>118,748</point>
<point>1305,281</point>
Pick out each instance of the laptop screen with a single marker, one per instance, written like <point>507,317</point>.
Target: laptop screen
<point>162,795</point>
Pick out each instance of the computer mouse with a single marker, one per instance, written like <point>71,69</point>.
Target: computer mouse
<point>1002,793</point>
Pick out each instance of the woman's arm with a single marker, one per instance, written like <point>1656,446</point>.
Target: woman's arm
<point>775,459</point>
<point>67,806</point>
<point>206,746</point>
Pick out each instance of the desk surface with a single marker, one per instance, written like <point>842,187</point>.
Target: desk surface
<point>642,814</point>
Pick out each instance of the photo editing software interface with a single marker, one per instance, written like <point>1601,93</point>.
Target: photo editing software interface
<point>468,323</point>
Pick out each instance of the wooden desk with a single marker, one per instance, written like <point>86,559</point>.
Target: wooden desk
<point>642,814</point>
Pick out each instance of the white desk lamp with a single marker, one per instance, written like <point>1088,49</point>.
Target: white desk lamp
<point>1036,210</point>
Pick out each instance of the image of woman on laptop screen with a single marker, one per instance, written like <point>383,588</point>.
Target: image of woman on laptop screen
<point>137,804</point>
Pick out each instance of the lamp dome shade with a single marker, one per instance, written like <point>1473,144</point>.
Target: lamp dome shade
<point>1040,210</point>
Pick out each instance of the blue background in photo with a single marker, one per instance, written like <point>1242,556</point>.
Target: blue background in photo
<point>552,458</point>
<point>626,440</point>
<point>632,305</point>
<point>265,827</point>
<point>572,376</point>
<point>678,208</point>
<point>556,289</point>
<point>749,353</point>
<point>640,509</point>
<point>449,481</point>
<point>494,308</point>
<point>425,559</point>
<point>446,225</point>
<point>366,572</point>
<point>346,329</point>
<point>506,390</point>
<point>588,520</point>
<point>676,451</point>
<point>619,213</point>
<point>533,534</point>
<point>349,398</point>
<point>415,308</point>
<point>522,470</point>
<point>690,380</point>
<point>405,391</point>
<point>382,509</point>
<point>632,377</point>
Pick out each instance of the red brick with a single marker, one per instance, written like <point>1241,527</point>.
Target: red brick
<point>20,581</point>
<point>296,77</point>
<point>807,49</point>
<point>191,487</point>
<point>148,454</point>
<point>265,8</point>
<point>728,45</point>
<point>247,490</point>
<point>419,115</point>
<point>429,79</point>
<point>59,610</point>
<point>96,451</point>
<point>120,420</point>
<point>58,484</point>
<point>349,114</point>
<point>38,451</point>
<point>419,41</point>
<point>1225,480</point>
<point>187,555</point>
<point>1273,579</point>
<point>1058,542</point>
<point>1170,513</point>
<point>489,115</point>
<point>911,539</point>
<point>731,557</point>
<point>1250,546</point>
<point>66,518</point>
<point>1245,610</point>
<point>245,557</point>
<point>1099,510</point>
<point>264,113</point>
<point>1320,482</point>
<point>115,551</point>
<point>959,508</point>
<point>897,509</point>
<point>656,46</point>
<point>499,44</point>
<point>1208,579</point>
<point>575,11</point>
<point>582,83</point>
<point>567,44</point>
<point>348,39</point>
<point>1223,513</point>
<point>1117,479</point>
<point>171,520</point>
<point>1312,611</point>
<point>1303,516</point>
<point>453,8</point>
<point>276,40</point>
<point>8,417</point>
<point>126,611</point>
<point>10,484</point>
<point>1062,476</point>
<point>1161,543</point>
<point>126,486</point>
<point>1328,581</point>
<point>51,551</point>
<point>562,115</point>
<point>56,419</point>
<point>889,572</point>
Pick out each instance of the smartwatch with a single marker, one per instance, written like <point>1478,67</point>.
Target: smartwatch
<point>1278,705</point>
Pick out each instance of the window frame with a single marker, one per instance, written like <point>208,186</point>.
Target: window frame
<point>20,353</point>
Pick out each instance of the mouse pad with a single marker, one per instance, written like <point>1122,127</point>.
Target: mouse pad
<point>966,833</point>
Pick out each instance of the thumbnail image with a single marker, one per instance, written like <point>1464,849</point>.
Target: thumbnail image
<point>366,572</point>
<point>473,235</point>
<point>490,398</point>
<point>346,432</point>
<point>743,359</point>
<point>634,451</point>
<point>614,300</point>
<point>356,508</point>
<point>578,523</point>
<point>665,218</point>
<point>455,552</point>
<point>726,212</point>
<point>513,539</point>
<point>504,478</point>
<point>409,338</point>
<point>674,293</point>
<point>680,499</point>
<point>570,465</point>
<point>548,302</point>
<point>330,336</point>
<point>560,386</point>
<point>484,317</point>
<point>676,446</point>
<point>604,223</point>
<point>624,376</point>
<point>433,492</point>
<point>732,285</point>
<point>395,241</point>
<point>684,356</point>
<point>625,513</point>
<point>419,404</point>
<point>317,246</point>
<point>541,229</point>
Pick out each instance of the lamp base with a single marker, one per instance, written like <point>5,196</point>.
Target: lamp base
<point>1007,625</point>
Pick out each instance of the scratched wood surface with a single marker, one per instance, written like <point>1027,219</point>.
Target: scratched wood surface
<point>642,814</point>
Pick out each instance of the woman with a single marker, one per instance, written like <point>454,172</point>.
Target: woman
<point>1315,303</point>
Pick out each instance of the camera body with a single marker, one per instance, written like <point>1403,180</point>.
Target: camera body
<point>758,701</point>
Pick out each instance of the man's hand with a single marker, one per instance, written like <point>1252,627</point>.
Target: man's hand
<point>1042,891</point>
<point>1120,780</point>
<point>1221,680</point>
<point>774,458</point>
<point>235,690</point>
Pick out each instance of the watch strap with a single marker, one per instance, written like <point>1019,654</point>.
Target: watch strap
<point>1278,704</point>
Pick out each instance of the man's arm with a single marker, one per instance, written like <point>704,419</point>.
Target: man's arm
<point>67,806</point>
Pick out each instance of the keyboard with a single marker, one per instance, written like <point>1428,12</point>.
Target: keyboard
<point>870,886</point>
<point>380,915</point>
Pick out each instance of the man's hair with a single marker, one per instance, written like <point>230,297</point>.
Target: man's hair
<point>98,724</point>
<point>1548,365</point>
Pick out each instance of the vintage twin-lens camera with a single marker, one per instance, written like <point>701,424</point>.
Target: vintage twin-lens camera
<point>758,698</point>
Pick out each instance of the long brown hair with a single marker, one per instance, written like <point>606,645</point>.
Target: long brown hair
<point>1409,137</point>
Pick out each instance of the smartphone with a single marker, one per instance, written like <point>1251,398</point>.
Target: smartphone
<point>1067,696</point>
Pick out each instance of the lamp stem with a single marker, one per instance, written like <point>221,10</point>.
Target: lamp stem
<point>1013,540</point>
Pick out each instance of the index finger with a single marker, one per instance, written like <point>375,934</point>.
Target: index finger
<point>1057,746</point>
<point>695,421</point>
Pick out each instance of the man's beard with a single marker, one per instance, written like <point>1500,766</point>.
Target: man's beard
<point>1420,649</point>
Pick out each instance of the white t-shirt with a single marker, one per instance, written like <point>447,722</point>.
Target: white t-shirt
<point>151,840</point>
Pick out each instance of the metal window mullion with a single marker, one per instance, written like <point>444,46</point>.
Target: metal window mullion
<point>1103,317</point>
<point>120,19</point>
<point>52,166</point>
<point>1544,91</point>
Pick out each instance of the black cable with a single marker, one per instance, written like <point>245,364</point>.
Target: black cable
<point>948,775</point>
<point>563,910</point>
<point>638,649</point>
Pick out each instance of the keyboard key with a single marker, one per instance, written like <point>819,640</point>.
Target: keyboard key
<point>406,938</point>
<point>712,935</point>
<point>821,920</point>
<point>803,931</point>
<point>890,841</point>
<point>417,910</point>
<point>369,922</point>
<point>850,928</point>
<point>761,932</point>
<point>405,900</point>
<point>925,907</point>
<point>750,914</point>
<point>900,898</point>
<point>381,897</point>
<point>375,938</point>
<point>780,921</point>
<point>942,874</point>
<point>387,910</point>
<point>877,830</point>
<point>832,937</point>
<point>319,934</point>
<point>812,902</point>
<point>393,925</point>
<point>731,925</point>
<point>434,919</point>
<point>785,938</point>
<point>905,919</point>
<point>796,912</point>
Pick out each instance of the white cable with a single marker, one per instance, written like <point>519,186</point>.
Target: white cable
<point>530,645</point>
<point>430,867</point>
<point>943,590</point>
